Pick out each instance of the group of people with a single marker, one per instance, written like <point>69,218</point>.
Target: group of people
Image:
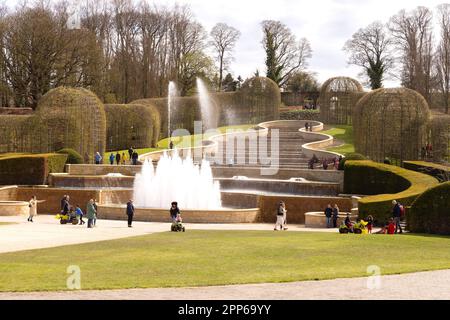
<point>175,213</point>
<point>426,152</point>
<point>76,211</point>
<point>332,215</point>
<point>325,162</point>
<point>118,158</point>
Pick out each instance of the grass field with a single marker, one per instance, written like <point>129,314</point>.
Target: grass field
<point>6,223</point>
<point>202,258</point>
<point>344,134</point>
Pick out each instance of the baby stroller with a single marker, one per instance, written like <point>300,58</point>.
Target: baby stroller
<point>177,225</point>
<point>69,218</point>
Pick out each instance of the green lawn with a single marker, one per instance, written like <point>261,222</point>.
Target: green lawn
<point>181,142</point>
<point>344,134</point>
<point>201,258</point>
<point>6,223</point>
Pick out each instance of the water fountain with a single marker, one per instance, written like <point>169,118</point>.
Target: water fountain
<point>177,179</point>
<point>209,115</point>
<point>173,92</point>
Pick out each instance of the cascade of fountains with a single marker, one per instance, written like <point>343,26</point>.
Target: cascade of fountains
<point>177,179</point>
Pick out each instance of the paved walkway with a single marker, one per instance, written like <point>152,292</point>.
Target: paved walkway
<point>46,232</point>
<point>422,286</point>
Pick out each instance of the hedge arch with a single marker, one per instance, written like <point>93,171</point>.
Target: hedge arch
<point>391,123</point>
<point>337,99</point>
<point>429,213</point>
<point>440,138</point>
<point>135,125</point>
<point>65,118</point>
<point>383,183</point>
<point>73,118</point>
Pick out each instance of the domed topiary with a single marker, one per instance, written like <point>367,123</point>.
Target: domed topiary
<point>259,99</point>
<point>74,118</point>
<point>430,212</point>
<point>337,99</point>
<point>73,157</point>
<point>391,123</point>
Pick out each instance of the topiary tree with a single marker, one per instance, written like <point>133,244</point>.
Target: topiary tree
<point>391,123</point>
<point>429,213</point>
<point>73,157</point>
<point>337,99</point>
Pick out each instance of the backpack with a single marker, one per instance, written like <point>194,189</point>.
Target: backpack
<point>402,211</point>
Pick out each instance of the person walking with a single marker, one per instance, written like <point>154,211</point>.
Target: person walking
<point>65,205</point>
<point>329,215</point>
<point>335,215</point>
<point>130,153</point>
<point>33,208</point>
<point>111,158</point>
<point>130,212</point>
<point>174,211</point>
<point>94,222</point>
<point>397,214</point>
<point>98,158</point>
<point>281,216</point>
<point>118,158</point>
<point>79,213</point>
<point>90,211</point>
<point>123,158</point>
<point>135,158</point>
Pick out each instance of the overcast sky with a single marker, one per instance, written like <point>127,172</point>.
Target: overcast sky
<point>327,24</point>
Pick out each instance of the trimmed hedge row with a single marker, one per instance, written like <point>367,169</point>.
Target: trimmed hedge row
<point>30,169</point>
<point>349,157</point>
<point>73,157</point>
<point>440,172</point>
<point>430,211</point>
<point>313,115</point>
<point>383,183</point>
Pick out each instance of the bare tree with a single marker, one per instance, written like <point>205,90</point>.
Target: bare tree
<point>370,48</point>
<point>442,61</point>
<point>223,40</point>
<point>284,55</point>
<point>413,33</point>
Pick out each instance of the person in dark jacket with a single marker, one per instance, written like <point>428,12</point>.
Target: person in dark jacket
<point>130,152</point>
<point>328,215</point>
<point>66,205</point>
<point>118,158</point>
<point>335,215</point>
<point>135,157</point>
<point>130,212</point>
<point>174,211</point>
<point>397,214</point>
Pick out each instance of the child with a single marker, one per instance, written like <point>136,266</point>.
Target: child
<point>391,226</point>
<point>369,224</point>
<point>178,219</point>
<point>79,214</point>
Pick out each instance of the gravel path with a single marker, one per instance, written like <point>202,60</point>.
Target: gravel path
<point>422,286</point>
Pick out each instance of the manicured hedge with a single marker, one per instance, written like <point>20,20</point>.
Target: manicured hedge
<point>440,172</point>
<point>383,183</point>
<point>73,157</point>
<point>351,156</point>
<point>430,211</point>
<point>30,169</point>
<point>313,115</point>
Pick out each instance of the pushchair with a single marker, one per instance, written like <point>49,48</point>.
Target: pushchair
<point>70,218</point>
<point>177,226</point>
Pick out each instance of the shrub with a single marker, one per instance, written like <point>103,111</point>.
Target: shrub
<point>383,183</point>
<point>30,169</point>
<point>351,156</point>
<point>430,213</point>
<point>313,115</point>
<point>440,172</point>
<point>73,157</point>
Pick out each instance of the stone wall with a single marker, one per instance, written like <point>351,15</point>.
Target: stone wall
<point>189,216</point>
<point>8,193</point>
